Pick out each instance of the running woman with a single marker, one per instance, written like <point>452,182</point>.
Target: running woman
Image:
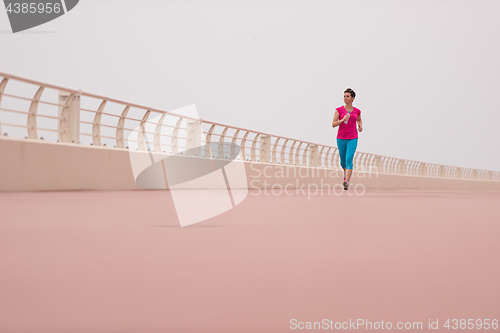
<point>347,136</point>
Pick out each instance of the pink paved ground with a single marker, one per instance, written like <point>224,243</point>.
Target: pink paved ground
<point>118,262</point>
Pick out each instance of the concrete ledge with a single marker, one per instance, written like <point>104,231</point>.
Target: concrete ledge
<point>35,165</point>
<point>312,178</point>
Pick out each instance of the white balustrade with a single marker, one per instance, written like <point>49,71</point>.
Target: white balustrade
<point>174,134</point>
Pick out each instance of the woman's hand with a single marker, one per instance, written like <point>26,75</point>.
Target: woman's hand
<point>346,117</point>
<point>360,128</point>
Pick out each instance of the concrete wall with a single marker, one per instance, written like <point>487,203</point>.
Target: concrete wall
<point>37,165</point>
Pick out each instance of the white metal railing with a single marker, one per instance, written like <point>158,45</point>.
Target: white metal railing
<point>39,110</point>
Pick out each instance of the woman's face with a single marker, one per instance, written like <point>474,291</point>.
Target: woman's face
<point>347,98</point>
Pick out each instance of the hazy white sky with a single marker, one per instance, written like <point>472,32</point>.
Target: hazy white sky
<point>426,72</point>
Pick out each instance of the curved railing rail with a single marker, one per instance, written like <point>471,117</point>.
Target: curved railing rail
<point>44,111</point>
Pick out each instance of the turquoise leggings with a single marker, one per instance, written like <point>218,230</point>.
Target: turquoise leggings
<point>347,148</point>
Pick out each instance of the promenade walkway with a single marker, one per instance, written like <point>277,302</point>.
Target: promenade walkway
<point>117,261</point>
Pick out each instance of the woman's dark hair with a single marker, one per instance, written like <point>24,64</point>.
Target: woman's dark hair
<point>350,91</point>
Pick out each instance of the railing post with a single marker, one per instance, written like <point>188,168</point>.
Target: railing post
<point>32,126</point>
<point>194,137</point>
<point>306,155</point>
<point>233,144</point>
<point>320,158</point>
<point>282,155</point>
<point>440,171</point>
<point>2,88</point>
<point>73,120</point>
<point>265,148</point>
<point>242,148</point>
<point>291,160</point>
<point>425,170</point>
<point>402,167</point>
<point>313,155</point>
<point>297,154</point>
<point>175,135</point>
<point>157,137</point>
<point>253,157</point>
<point>96,127</point>
<point>221,143</point>
<point>119,129</point>
<point>275,147</point>
<point>378,164</point>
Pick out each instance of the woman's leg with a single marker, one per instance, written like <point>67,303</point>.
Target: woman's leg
<point>351,146</point>
<point>342,146</point>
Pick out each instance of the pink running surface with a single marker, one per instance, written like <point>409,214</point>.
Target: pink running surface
<point>92,261</point>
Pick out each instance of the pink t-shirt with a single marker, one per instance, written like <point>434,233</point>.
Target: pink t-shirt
<point>350,130</point>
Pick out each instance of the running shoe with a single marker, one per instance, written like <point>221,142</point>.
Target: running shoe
<point>346,185</point>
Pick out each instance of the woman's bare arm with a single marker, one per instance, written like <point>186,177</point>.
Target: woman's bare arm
<point>336,122</point>
<point>360,124</point>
